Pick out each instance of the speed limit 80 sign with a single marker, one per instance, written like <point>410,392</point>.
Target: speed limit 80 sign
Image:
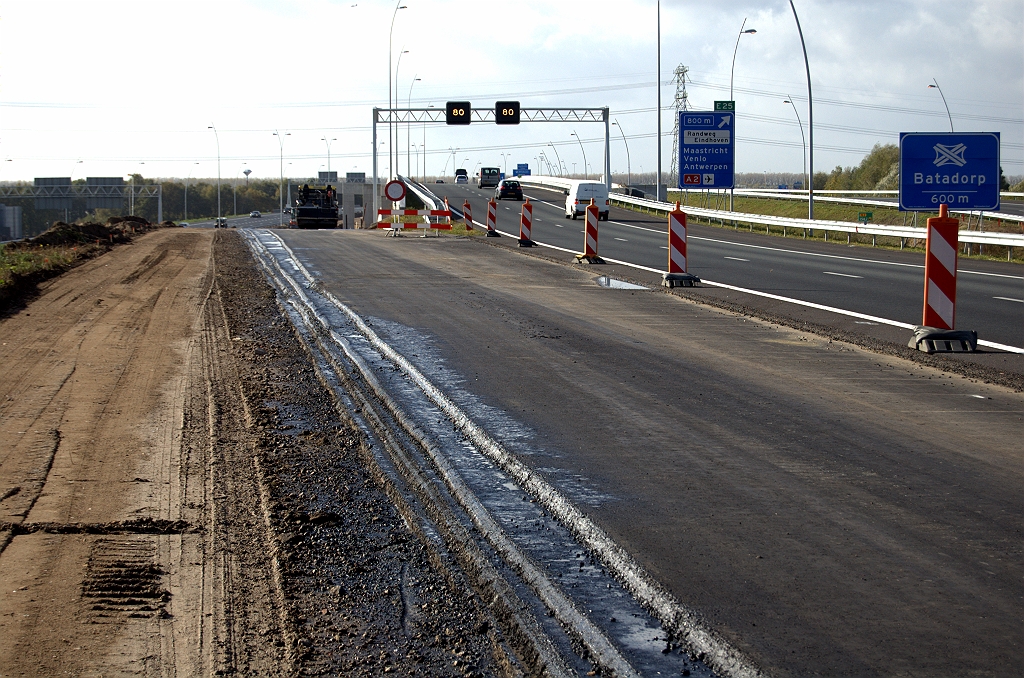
<point>458,112</point>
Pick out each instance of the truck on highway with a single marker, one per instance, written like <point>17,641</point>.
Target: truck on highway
<point>316,207</point>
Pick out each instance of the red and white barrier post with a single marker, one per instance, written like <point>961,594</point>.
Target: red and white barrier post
<point>525,224</point>
<point>467,215</point>
<point>590,236</point>
<point>936,332</point>
<point>677,275</point>
<point>492,219</point>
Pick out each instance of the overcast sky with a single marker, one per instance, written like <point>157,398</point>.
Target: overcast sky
<point>133,86</point>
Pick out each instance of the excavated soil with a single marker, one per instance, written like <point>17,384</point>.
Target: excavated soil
<point>178,493</point>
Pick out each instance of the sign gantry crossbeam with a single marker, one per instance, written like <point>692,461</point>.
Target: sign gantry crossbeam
<point>423,115</point>
<point>80,191</point>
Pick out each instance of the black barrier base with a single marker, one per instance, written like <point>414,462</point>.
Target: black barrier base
<point>934,340</point>
<point>679,279</point>
<point>584,259</point>
<point>525,243</point>
<point>493,234</point>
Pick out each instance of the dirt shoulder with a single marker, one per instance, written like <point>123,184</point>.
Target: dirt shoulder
<point>177,493</point>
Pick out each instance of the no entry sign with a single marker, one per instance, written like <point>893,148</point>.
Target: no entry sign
<point>394,190</point>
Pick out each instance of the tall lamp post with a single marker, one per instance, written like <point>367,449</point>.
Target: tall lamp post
<point>328,142</point>
<point>629,171</point>
<point>810,119</point>
<point>732,71</point>
<point>217,137</point>
<point>557,157</point>
<point>936,86</point>
<point>585,174</point>
<point>395,147</point>
<point>657,84</point>
<point>398,6</point>
<point>186,188</point>
<point>280,186</point>
<point>408,126</point>
<point>504,159</point>
<point>802,141</point>
<point>234,188</point>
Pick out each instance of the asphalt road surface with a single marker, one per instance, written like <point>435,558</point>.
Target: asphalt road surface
<point>829,510</point>
<point>886,284</point>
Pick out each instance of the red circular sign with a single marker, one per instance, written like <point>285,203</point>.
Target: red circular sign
<point>394,190</point>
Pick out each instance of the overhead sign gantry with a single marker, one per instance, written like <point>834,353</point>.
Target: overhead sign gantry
<point>503,113</point>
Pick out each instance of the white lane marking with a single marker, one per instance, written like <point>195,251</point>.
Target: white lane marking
<point>811,254</point>
<point>845,275</point>
<point>621,239</point>
<point>976,396</point>
<point>663,247</point>
<point>798,302</point>
<point>733,258</point>
<point>1019,301</point>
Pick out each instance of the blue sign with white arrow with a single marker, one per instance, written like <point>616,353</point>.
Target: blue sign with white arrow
<point>959,170</point>
<point>706,149</point>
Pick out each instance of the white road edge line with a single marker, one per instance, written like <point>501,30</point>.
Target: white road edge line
<point>1019,301</point>
<point>810,254</point>
<point>798,302</point>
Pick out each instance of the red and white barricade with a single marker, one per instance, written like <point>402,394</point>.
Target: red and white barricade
<point>677,275</point>
<point>936,332</point>
<point>467,215</point>
<point>590,236</point>
<point>492,219</point>
<point>526,225</point>
<point>391,219</point>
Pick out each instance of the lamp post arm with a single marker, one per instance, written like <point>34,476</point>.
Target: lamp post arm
<point>810,118</point>
<point>734,50</point>
<point>944,104</point>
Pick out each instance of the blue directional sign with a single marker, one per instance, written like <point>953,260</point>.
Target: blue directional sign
<point>960,170</point>
<point>706,149</point>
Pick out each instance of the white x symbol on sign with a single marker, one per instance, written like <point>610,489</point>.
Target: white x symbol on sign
<point>949,155</point>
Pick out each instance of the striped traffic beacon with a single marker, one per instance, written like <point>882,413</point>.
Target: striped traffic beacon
<point>936,331</point>
<point>525,224</point>
<point>467,215</point>
<point>589,255</point>
<point>677,275</point>
<point>492,219</point>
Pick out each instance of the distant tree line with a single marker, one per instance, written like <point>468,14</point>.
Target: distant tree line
<point>259,194</point>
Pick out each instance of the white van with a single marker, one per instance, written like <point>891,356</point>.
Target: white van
<point>579,196</point>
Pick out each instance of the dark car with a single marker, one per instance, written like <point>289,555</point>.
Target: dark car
<point>507,188</point>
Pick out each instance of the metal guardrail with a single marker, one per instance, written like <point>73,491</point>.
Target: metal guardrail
<point>974,237</point>
<point>802,195</point>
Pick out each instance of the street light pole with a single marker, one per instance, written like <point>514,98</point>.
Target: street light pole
<point>629,171</point>
<point>186,188</point>
<point>504,159</point>
<point>234,188</point>
<point>397,153</point>
<point>558,157</point>
<point>802,141</point>
<point>328,142</point>
<point>936,86</point>
<point>280,186</point>
<point>585,174</point>
<point>408,126</point>
<point>657,84</point>
<point>217,137</point>
<point>810,119</point>
<point>732,71</point>
<point>398,6</point>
